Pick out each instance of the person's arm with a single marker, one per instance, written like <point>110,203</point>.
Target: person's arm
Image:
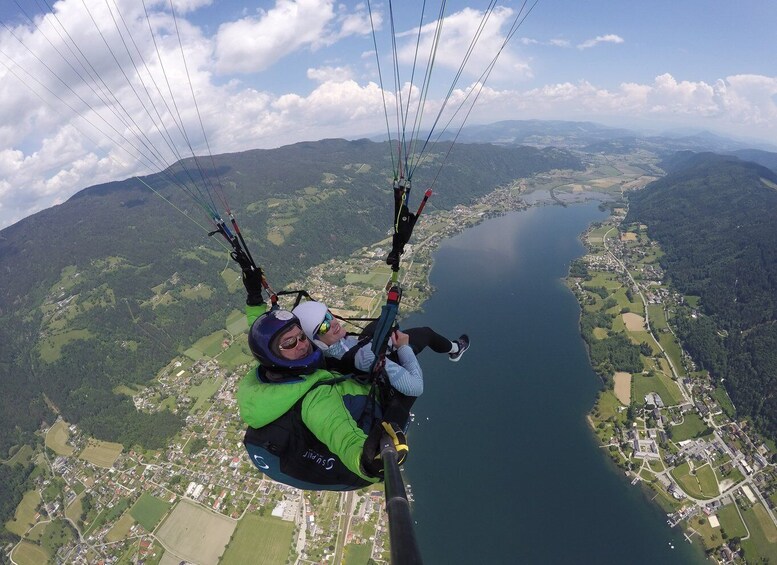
<point>326,416</point>
<point>253,312</point>
<point>407,376</point>
<point>255,304</point>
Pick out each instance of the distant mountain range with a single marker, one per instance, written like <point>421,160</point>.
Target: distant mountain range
<point>593,138</point>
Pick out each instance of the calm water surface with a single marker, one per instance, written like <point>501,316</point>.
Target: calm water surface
<point>502,465</point>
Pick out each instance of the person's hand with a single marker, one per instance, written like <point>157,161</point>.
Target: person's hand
<point>397,437</point>
<point>399,339</point>
<point>252,281</point>
<point>371,461</point>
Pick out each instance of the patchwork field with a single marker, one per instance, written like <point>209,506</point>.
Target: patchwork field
<point>634,322</point>
<point>272,535</point>
<point>22,456</point>
<point>120,529</point>
<point>101,453</point>
<point>623,387</point>
<point>237,322</point>
<point>198,535</point>
<point>659,383</point>
<point>699,482</point>
<point>357,554</point>
<point>56,439</point>
<point>27,553</point>
<point>202,393</point>
<point>763,534</point>
<point>692,426</point>
<point>51,347</point>
<point>149,510</point>
<point>24,518</point>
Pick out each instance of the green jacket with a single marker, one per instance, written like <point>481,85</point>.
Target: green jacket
<point>325,408</point>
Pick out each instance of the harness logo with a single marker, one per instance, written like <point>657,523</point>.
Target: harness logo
<point>259,461</point>
<point>326,463</point>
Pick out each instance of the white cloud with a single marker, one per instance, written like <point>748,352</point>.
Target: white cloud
<point>256,43</point>
<point>334,74</point>
<point>458,30</point>
<point>560,42</point>
<point>556,42</point>
<point>186,6</point>
<point>47,153</point>
<point>609,38</point>
<point>357,22</point>
<point>738,104</point>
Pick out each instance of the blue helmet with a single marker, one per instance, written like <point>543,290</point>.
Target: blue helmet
<point>263,341</point>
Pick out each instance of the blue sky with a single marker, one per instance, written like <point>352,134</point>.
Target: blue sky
<point>268,73</point>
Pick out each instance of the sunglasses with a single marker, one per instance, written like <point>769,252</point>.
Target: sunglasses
<point>292,342</point>
<point>326,324</point>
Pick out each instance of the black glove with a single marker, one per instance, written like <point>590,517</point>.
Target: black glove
<point>252,280</point>
<point>371,461</point>
<point>397,437</point>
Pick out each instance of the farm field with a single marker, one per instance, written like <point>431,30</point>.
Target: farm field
<point>669,343</point>
<point>210,345</point>
<point>22,456</point>
<point>51,347</point>
<point>196,534</point>
<point>149,510</point>
<point>664,386</point>
<point>203,391</point>
<point>237,322</point>
<point>731,522</point>
<point>236,354</point>
<point>699,482</point>
<point>273,535</point>
<point>24,518</point>
<point>763,534</point>
<point>622,387</point>
<point>101,453</point>
<point>120,529</point>
<point>357,554</point>
<point>692,426</point>
<point>74,509</point>
<point>27,553</point>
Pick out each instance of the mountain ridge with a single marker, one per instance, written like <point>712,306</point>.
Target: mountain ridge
<point>115,271</point>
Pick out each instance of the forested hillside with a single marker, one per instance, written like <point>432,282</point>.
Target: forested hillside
<point>106,288</point>
<point>716,219</point>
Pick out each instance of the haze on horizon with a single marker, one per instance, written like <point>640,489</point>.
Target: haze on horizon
<point>269,73</point>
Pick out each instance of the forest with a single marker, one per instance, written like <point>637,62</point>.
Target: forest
<point>714,217</point>
<point>108,287</point>
<point>612,353</point>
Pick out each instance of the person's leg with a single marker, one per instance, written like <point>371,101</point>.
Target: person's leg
<point>397,408</point>
<point>421,338</point>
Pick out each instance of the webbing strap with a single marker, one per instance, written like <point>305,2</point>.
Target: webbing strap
<point>384,326</point>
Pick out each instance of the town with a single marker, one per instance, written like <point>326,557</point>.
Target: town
<point>670,426</point>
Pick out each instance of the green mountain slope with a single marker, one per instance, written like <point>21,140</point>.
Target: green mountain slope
<point>715,218</point>
<point>106,288</point>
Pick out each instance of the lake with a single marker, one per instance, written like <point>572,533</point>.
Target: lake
<point>503,466</point>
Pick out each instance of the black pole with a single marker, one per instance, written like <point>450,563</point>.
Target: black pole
<point>404,547</point>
